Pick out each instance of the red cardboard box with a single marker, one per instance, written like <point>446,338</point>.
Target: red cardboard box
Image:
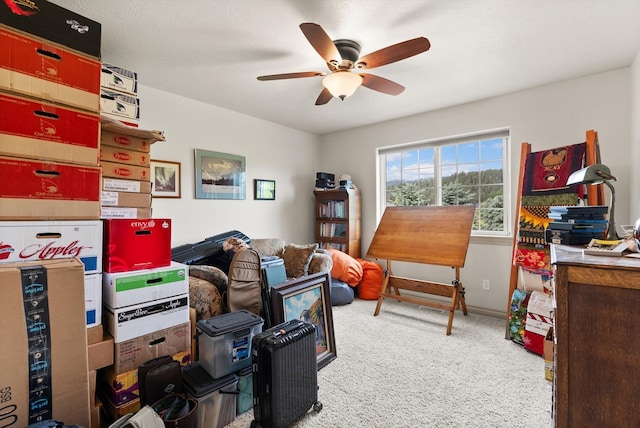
<point>34,67</point>
<point>39,130</point>
<point>43,190</point>
<point>134,244</point>
<point>52,22</point>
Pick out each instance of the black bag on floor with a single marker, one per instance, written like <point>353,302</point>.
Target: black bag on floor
<point>158,378</point>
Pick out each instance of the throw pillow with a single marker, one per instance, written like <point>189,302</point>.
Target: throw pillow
<point>297,259</point>
<point>345,268</point>
<point>372,278</point>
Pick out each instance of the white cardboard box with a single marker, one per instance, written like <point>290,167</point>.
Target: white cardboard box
<point>119,79</point>
<point>138,286</point>
<point>93,299</point>
<point>137,320</point>
<point>120,106</point>
<point>43,240</point>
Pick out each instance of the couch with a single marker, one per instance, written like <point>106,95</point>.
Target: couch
<point>208,284</point>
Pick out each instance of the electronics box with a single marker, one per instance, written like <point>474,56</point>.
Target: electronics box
<point>43,240</point>
<point>93,299</point>
<point>224,341</point>
<point>130,172</point>
<point>115,139</point>
<point>40,130</point>
<point>122,185</point>
<point>126,156</point>
<point>125,199</point>
<point>44,339</point>
<point>134,244</point>
<point>216,397</point>
<point>43,190</point>
<point>119,79</point>
<point>138,320</point>
<point>123,106</point>
<point>34,67</point>
<point>139,286</point>
<point>108,213</point>
<point>49,21</point>
<point>167,341</point>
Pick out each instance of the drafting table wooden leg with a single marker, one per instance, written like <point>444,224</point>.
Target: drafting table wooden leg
<point>383,290</point>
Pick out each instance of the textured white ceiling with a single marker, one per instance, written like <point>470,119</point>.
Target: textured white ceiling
<point>213,50</point>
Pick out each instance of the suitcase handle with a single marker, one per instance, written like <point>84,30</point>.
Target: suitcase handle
<point>282,329</point>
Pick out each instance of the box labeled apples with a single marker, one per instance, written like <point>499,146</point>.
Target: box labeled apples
<point>46,190</point>
<point>45,240</point>
<point>126,156</point>
<point>35,67</point>
<point>119,79</point>
<point>139,286</point>
<point>39,130</point>
<point>44,352</point>
<point>137,320</point>
<point>55,23</point>
<point>134,244</point>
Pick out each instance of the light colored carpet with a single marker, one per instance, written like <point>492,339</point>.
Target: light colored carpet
<point>400,369</point>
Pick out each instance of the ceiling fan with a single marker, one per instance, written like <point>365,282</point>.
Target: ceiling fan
<point>344,61</point>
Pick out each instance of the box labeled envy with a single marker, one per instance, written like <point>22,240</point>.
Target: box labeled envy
<point>139,286</point>
<point>45,240</point>
<point>134,244</point>
<point>39,130</point>
<point>137,320</point>
<point>34,67</point>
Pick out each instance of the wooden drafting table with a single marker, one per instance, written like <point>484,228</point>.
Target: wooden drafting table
<point>437,235</point>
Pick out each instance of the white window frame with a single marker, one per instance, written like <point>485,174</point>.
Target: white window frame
<point>439,142</point>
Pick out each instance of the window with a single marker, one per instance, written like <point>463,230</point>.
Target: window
<point>469,170</point>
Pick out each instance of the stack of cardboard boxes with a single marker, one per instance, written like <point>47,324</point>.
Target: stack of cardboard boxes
<point>50,233</point>
<point>56,186</point>
<point>119,95</point>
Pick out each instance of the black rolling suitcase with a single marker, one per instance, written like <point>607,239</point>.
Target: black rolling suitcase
<point>285,374</point>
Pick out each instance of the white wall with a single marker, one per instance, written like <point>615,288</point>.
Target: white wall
<point>546,117</point>
<point>272,152</point>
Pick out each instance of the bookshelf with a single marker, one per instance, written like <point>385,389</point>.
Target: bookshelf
<point>337,220</point>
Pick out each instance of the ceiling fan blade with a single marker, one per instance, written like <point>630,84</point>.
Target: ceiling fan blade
<point>324,97</point>
<point>381,84</point>
<point>291,75</point>
<point>394,53</point>
<point>321,42</point>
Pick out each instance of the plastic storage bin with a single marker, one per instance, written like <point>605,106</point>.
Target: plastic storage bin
<point>245,390</point>
<point>216,397</point>
<point>224,342</point>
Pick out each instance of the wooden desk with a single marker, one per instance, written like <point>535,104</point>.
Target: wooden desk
<point>597,352</point>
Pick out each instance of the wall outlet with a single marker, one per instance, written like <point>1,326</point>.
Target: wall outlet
<point>485,284</point>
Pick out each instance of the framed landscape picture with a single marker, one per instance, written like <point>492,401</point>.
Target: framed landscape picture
<point>219,175</point>
<point>165,179</point>
<point>307,298</point>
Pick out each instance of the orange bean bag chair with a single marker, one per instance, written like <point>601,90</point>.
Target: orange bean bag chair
<point>371,283</point>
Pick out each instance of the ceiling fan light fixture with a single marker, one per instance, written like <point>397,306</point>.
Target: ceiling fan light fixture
<point>342,83</point>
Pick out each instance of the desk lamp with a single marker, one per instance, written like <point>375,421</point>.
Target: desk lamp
<point>598,174</point>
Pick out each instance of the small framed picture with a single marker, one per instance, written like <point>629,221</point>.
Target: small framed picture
<point>165,179</point>
<point>307,298</point>
<point>264,189</point>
